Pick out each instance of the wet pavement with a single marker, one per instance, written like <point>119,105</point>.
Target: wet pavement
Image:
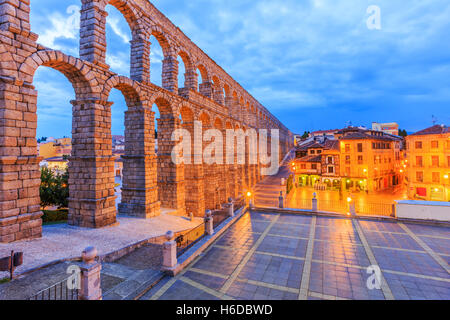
<point>280,256</point>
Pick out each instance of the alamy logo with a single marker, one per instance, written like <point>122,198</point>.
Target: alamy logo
<point>74,280</point>
<point>374,280</point>
<point>237,147</point>
<point>374,20</point>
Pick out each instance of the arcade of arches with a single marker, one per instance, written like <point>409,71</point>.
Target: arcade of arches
<point>151,181</point>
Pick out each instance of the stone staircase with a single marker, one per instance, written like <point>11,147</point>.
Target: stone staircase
<point>267,191</point>
<point>130,277</point>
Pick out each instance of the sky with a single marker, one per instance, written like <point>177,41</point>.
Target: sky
<point>315,64</point>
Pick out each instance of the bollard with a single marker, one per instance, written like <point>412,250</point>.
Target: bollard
<point>314,203</point>
<point>191,216</point>
<point>169,253</point>
<point>90,276</point>
<point>209,227</point>
<point>352,208</point>
<point>281,200</point>
<point>230,207</point>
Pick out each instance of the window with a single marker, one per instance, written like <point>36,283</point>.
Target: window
<point>434,144</point>
<point>319,151</point>
<point>314,166</point>
<point>418,144</point>
<point>435,161</point>
<point>347,171</point>
<point>419,162</point>
<point>360,159</point>
<point>448,161</point>
<point>303,166</point>
<point>419,176</point>
<point>436,177</point>
<point>347,159</point>
<point>330,160</point>
<point>330,169</point>
<point>347,148</point>
<point>313,152</point>
<point>360,147</point>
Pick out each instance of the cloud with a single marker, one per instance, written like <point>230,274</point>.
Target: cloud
<point>302,55</point>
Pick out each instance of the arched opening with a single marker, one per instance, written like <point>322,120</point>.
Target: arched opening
<point>170,175</point>
<point>118,110</point>
<point>53,141</point>
<point>118,36</point>
<point>84,193</point>
<point>181,73</point>
<point>156,61</point>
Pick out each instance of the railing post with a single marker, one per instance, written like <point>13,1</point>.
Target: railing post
<point>230,207</point>
<point>314,202</point>
<point>209,227</point>
<point>90,276</point>
<point>351,206</point>
<point>393,214</point>
<point>281,200</point>
<point>169,253</point>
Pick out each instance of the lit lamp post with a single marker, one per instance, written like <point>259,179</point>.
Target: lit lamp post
<point>250,199</point>
<point>351,206</point>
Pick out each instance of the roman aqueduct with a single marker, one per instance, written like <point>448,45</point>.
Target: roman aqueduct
<point>151,181</point>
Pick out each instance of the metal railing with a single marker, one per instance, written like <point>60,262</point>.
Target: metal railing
<point>338,206</point>
<point>187,240</point>
<point>375,209</point>
<point>59,291</point>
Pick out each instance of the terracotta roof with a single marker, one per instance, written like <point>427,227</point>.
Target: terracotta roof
<point>325,131</point>
<point>331,145</point>
<point>437,129</point>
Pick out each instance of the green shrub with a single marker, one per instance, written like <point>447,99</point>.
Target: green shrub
<point>55,216</point>
<point>289,184</point>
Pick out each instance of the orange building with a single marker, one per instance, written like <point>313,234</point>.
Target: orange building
<point>359,160</point>
<point>428,164</point>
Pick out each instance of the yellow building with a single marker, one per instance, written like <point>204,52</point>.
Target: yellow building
<point>57,148</point>
<point>369,160</point>
<point>428,164</point>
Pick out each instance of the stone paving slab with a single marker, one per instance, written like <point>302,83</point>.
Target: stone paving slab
<point>333,258</point>
<point>63,241</point>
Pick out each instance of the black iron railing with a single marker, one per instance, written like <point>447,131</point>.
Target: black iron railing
<point>187,240</point>
<point>59,291</point>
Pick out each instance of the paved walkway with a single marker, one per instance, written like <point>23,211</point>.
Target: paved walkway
<point>63,241</point>
<point>277,256</point>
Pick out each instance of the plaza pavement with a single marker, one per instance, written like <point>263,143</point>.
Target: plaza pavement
<point>281,256</point>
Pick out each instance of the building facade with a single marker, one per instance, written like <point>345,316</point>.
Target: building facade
<point>358,160</point>
<point>428,164</point>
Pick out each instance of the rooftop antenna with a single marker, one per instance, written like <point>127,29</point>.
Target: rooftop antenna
<point>434,120</point>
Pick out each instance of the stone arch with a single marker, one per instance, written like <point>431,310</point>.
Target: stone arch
<point>131,15</point>
<point>164,41</point>
<point>204,73</point>
<point>186,113</point>
<point>164,104</point>
<point>129,88</point>
<point>190,75</point>
<point>80,76</point>
<point>218,123</point>
<point>205,118</point>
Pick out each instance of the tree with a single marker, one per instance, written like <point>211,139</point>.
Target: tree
<point>54,189</point>
<point>305,135</point>
<point>402,133</point>
<point>46,187</point>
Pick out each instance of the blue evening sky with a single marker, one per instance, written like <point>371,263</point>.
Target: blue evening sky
<point>313,63</point>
